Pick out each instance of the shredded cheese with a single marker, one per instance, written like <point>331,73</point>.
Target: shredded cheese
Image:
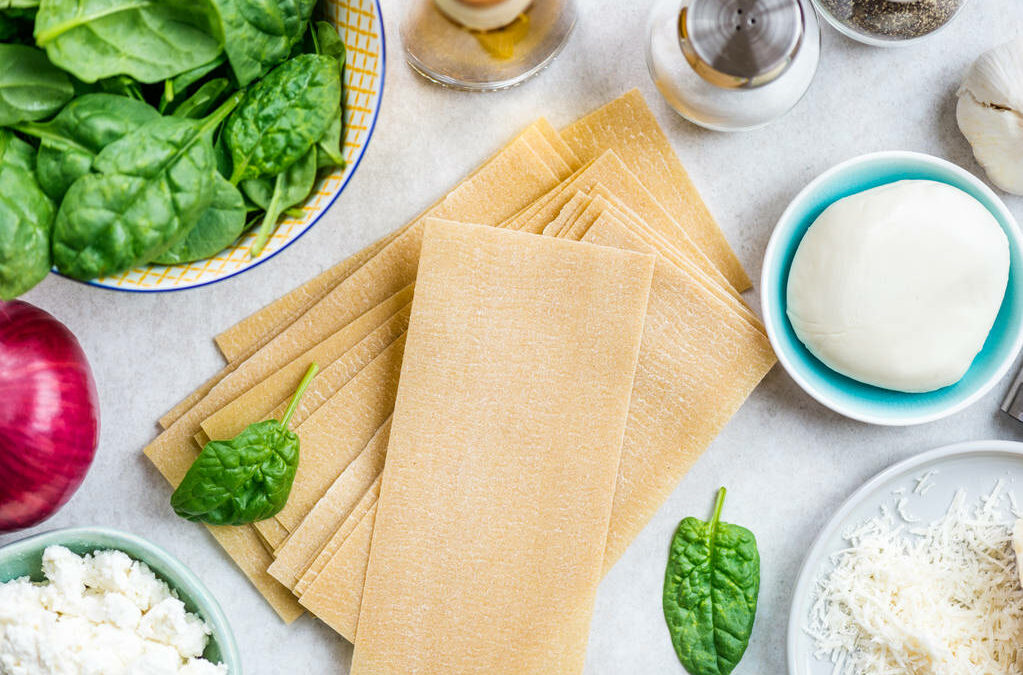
<point>944,598</point>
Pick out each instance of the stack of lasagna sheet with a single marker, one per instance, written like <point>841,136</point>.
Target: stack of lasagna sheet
<point>511,385</point>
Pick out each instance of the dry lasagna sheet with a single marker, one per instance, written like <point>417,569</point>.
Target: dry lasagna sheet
<point>486,483</point>
<point>610,179</point>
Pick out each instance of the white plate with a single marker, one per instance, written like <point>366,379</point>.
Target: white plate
<point>974,467</point>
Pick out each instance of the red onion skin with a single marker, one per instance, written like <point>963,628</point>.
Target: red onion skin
<point>49,415</point>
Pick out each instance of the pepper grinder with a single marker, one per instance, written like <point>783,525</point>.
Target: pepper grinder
<point>733,65</point>
<point>484,45</point>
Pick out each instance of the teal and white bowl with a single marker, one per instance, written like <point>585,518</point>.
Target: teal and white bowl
<point>847,396</point>
<point>24,558</point>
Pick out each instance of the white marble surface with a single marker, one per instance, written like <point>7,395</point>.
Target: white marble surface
<point>787,461</point>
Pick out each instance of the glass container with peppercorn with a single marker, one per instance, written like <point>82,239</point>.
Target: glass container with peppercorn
<point>888,23</point>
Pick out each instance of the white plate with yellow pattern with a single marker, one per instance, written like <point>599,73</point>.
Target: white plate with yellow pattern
<point>360,25</point>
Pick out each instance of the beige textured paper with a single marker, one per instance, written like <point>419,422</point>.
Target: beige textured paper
<point>698,363</point>
<point>272,319</point>
<point>330,549</point>
<point>335,595</point>
<point>627,126</point>
<point>493,509</point>
<point>335,434</point>
<point>295,556</point>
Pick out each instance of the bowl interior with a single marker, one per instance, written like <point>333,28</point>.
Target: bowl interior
<point>25,557</point>
<point>845,395</point>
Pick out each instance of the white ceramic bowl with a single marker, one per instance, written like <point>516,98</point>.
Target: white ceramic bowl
<point>862,401</point>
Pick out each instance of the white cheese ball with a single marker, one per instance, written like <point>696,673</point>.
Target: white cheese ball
<point>898,286</point>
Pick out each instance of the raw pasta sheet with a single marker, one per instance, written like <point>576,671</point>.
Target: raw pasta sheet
<point>503,452</point>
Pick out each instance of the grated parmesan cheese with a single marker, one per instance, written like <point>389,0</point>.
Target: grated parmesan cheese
<point>943,598</point>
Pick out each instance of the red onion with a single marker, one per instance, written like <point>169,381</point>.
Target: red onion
<point>49,415</point>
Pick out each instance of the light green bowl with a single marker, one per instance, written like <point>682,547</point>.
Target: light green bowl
<point>25,558</point>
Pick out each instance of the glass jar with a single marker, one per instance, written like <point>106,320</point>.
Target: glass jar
<point>733,65</point>
<point>484,45</point>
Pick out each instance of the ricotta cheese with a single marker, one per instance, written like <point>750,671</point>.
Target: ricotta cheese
<point>99,614</point>
<point>898,286</point>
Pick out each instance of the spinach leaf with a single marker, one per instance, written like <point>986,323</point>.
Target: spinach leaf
<point>291,187</point>
<point>151,187</point>
<point>259,191</point>
<point>16,152</point>
<point>26,216</point>
<point>69,142</point>
<point>218,226</point>
<point>710,592</point>
<point>149,40</point>
<point>122,85</point>
<point>179,84</point>
<point>259,34</point>
<point>247,478</point>
<point>203,100</point>
<point>329,145</point>
<point>31,87</point>
<point>282,116</point>
<point>329,43</point>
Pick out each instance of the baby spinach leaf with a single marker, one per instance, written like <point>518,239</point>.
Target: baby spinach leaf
<point>329,43</point>
<point>220,224</point>
<point>259,34</point>
<point>291,187</point>
<point>259,191</point>
<point>282,116</point>
<point>247,478</point>
<point>150,188</point>
<point>203,100</point>
<point>16,152</point>
<point>179,84</point>
<point>69,142</point>
<point>26,215</point>
<point>149,40</point>
<point>31,87</point>
<point>710,592</point>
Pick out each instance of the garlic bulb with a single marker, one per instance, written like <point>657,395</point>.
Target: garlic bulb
<point>990,114</point>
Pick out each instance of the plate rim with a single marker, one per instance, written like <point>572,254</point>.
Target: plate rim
<point>365,148</point>
<point>804,579</point>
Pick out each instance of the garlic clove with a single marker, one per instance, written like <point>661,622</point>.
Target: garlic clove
<point>990,114</point>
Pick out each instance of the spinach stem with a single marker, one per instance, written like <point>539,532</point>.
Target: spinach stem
<point>270,218</point>
<point>168,90</point>
<point>43,132</point>
<point>217,116</point>
<point>309,375</point>
<point>718,506</point>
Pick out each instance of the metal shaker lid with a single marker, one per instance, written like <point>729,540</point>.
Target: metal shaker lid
<point>741,43</point>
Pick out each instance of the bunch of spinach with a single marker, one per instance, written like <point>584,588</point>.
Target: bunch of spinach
<point>710,592</point>
<point>139,131</point>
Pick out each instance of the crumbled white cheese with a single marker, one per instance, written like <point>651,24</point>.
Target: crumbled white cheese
<point>99,614</point>
<point>943,598</point>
